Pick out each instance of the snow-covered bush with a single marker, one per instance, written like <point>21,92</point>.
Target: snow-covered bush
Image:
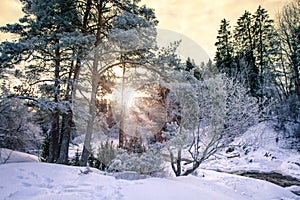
<point>242,109</point>
<point>17,128</point>
<point>106,153</point>
<point>209,132</point>
<point>145,163</point>
<point>288,115</point>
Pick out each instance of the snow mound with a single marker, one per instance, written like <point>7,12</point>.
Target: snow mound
<point>10,156</point>
<point>130,176</point>
<point>51,181</point>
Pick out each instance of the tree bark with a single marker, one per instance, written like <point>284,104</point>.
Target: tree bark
<point>54,139</point>
<point>95,79</point>
<point>176,164</point>
<point>189,171</point>
<point>65,140</point>
<point>55,126</point>
<point>92,116</point>
<point>122,125</point>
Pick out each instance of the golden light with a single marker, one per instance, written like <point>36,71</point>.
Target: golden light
<point>135,96</point>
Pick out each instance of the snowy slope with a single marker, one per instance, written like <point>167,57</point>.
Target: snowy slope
<point>260,149</point>
<point>51,181</point>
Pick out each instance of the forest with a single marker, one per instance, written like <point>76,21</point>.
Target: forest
<point>85,83</point>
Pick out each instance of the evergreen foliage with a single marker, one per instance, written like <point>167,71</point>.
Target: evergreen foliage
<point>106,153</point>
<point>266,60</point>
<point>224,56</point>
<point>250,54</point>
<point>75,160</point>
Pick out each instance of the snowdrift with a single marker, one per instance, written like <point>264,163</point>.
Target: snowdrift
<point>51,181</point>
<point>10,156</point>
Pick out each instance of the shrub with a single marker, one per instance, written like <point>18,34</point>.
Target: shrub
<point>145,163</point>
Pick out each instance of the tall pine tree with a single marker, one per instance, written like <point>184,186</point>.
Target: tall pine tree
<point>47,48</point>
<point>224,55</point>
<point>103,19</point>
<point>244,41</point>
<point>265,48</point>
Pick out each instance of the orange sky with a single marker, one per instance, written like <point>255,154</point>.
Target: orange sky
<point>197,20</point>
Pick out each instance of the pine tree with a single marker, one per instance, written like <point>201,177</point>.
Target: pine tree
<point>255,41</point>
<point>191,66</point>
<point>224,55</point>
<point>53,41</point>
<point>265,47</point>
<point>112,23</point>
<point>48,46</point>
<point>244,41</point>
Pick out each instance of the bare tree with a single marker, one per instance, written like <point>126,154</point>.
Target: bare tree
<point>209,131</point>
<point>212,112</point>
<point>17,129</point>
<point>287,71</point>
<point>288,25</point>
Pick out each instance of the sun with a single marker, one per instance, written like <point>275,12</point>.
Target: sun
<point>135,96</point>
<point>123,96</point>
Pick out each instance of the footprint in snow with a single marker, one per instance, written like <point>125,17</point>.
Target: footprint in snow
<point>26,184</point>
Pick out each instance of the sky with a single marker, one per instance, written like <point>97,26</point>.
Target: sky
<point>195,20</point>
<point>199,20</point>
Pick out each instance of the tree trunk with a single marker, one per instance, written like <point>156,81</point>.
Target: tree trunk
<point>55,130</point>
<point>90,123</point>
<point>178,161</point>
<point>195,166</point>
<point>176,164</point>
<point>67,117</point>
<point>65,140</point>
<point>122,127</point>
<point>95,80</point>
<point>54,139</point>
<point>295,62</point>
<point>92,113</point>
<point>87,142</point>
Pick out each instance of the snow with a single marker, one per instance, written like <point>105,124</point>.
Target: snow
<point>52,181</point>
<point>9,156</point>
<point>259,149</point>
<point>23,177</point>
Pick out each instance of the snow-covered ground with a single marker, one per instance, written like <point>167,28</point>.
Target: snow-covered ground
<point>51,181</point>
<point>260,149</point>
